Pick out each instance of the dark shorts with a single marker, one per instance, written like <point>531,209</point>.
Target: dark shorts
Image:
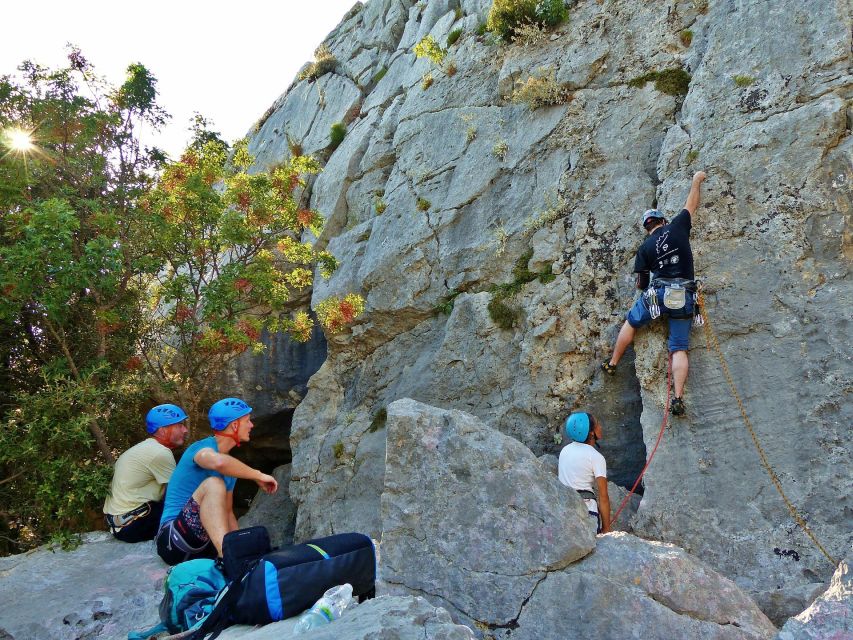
<point>138,525</point>
<point>184,538</point>
<point>679,328</point>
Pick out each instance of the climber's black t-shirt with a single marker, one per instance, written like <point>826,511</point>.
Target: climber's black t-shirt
<point>666,253</point>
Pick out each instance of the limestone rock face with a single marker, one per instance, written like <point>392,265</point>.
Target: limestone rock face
<point>630,584</point>
<point>437,192</point>
<point>470,516</point>
<point>830,616</point>
<point>102,589</point>
<point>473,521</point>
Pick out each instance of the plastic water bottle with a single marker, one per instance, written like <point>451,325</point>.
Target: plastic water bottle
<point>328,608</point>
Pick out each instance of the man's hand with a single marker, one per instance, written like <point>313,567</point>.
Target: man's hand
<point>267,483</point>
<point>699,177</point>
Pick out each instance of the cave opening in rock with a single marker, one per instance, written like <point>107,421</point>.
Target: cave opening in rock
<point>269,448</point>
<point>618,404</point>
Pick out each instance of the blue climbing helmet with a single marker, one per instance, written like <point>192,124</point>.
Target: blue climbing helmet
<point>577,426</point>
<point>163,415</point>
<point>225,411</point>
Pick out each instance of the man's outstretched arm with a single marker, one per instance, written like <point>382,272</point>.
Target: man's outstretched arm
<point>693,197</point>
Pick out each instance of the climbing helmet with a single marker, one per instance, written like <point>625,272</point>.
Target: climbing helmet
<point>577,426</point>
<point>163,415</point>
<point>225,411</point>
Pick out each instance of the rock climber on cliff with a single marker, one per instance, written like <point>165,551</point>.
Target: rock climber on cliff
<point>664,268</point>
<point>135,502</point>
<point>584,469</point>
<point>199,505</point>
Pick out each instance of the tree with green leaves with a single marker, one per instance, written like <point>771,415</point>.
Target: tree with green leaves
<point>73,254</point>
<point>127,279</point>
<point>234,264</point>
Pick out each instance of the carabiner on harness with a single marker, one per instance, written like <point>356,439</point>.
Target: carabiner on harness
<point>652,302</point>
<point>698,318</point>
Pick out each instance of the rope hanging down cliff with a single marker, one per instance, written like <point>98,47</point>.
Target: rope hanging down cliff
<point>711,341</point>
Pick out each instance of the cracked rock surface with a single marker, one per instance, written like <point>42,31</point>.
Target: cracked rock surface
<point>102,589</point>
<point>436,193</point>
<point>473,521</point>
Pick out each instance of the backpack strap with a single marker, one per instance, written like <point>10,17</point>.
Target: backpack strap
<point>219,618</point>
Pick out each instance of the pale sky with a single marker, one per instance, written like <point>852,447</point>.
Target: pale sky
<point>227,60</point>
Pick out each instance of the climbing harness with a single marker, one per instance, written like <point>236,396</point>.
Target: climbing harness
<point>711,340</point>
<point>657,442</point>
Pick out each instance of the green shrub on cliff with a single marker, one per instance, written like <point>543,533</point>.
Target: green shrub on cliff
<point>674,82</point>
<point>506,16</point>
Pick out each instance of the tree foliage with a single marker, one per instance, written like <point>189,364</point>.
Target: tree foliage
<point>71,257</point>
<point>234,264</point>
<point>127,280</point>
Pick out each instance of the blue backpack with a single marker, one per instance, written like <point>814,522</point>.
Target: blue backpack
<point>190,592</point>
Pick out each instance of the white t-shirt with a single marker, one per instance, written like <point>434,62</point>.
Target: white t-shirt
<point>580,464</point>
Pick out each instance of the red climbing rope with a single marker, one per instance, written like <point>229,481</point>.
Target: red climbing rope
<point>660,435</point>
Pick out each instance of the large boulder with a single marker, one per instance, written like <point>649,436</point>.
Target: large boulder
<point>631,586</point>
<point>830,616</point>
<point>101,589</point>
<point>475,523</point>
<point>470,518</point>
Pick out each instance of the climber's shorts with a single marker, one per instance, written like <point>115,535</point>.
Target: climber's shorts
<point>184,538</point>
<point>679,328</point>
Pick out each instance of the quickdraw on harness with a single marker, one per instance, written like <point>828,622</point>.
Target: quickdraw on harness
<point>676,292</point>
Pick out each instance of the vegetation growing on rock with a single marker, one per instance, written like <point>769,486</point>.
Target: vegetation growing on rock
<point>540,91</point>
<point>324,62</point>
<point>337,133</point>
<point>430,49</point>
<point>674,82</point>
<point>743,80</point>
<point>505,16</point>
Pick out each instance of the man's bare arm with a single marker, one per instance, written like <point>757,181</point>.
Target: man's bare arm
<point>231,466</point>
<point>603,504</point>
<point>693,197</point>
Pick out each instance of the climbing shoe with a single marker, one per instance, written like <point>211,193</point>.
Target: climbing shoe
<point>608,368</point>
<point>677,407</point>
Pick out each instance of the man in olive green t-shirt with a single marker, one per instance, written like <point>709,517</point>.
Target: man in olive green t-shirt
<point>135,502</point>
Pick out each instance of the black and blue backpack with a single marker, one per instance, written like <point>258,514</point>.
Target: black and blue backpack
<point>285,582</point>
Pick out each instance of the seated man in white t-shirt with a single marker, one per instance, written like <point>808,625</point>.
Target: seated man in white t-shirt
<point>582,468</point>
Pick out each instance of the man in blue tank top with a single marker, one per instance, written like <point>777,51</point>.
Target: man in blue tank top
<point>663,260</point>
<point>199,504</point>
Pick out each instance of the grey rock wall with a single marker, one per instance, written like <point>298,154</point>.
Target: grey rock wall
<point>474,522</point>
<point>771,239</point>
<point>274,511</point>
